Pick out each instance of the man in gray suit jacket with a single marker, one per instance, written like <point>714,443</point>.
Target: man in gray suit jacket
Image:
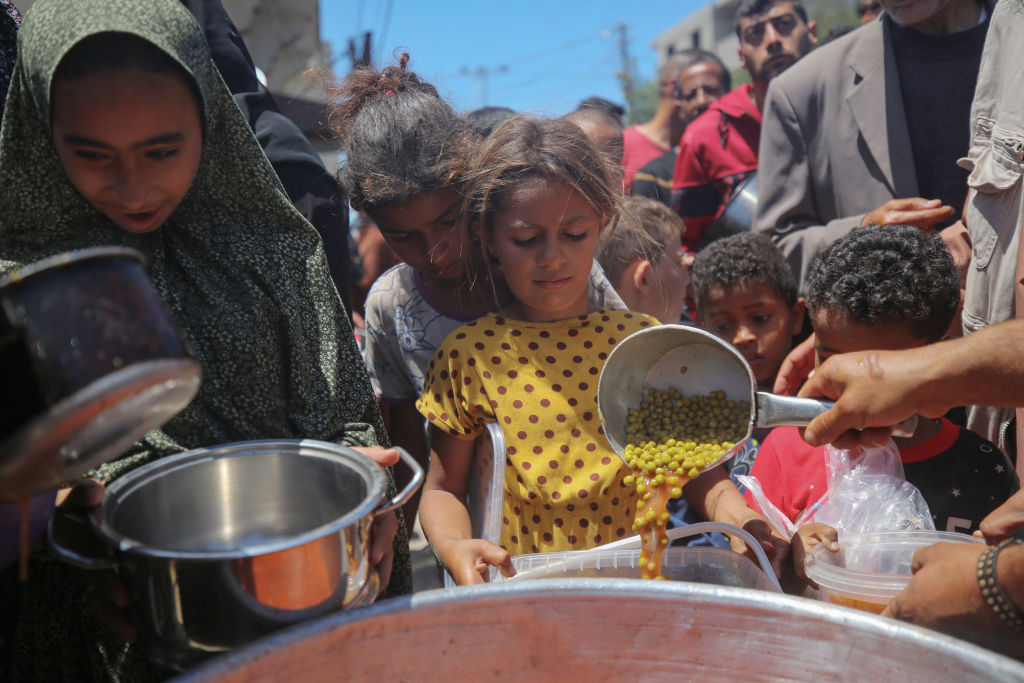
<point>870,129</point>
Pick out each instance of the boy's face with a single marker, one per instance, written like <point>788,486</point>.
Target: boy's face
<point>757,321</point>
<point>835,333</point>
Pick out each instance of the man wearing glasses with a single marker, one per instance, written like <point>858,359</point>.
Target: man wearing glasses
<point>719,148</point>
<point>870,131</point>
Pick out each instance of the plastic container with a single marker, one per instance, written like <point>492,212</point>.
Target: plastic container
<point>870,569</point>
<point>702,565</point>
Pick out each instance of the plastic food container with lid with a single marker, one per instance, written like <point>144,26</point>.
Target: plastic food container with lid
<point>870,569</point>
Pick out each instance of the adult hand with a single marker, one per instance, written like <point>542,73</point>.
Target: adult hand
<point>796,368</point>
<point>917,211</point>
<point>468,560</point>
<point>944,595</point>
<point>1004,520</point>
<point>872,390</point>
<point>382,533</point>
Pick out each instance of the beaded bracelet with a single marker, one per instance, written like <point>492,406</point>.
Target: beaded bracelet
<point>993,593</point>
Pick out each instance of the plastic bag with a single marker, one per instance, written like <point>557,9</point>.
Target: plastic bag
<point>867,492</point>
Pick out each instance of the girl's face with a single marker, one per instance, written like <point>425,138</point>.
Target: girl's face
<point>424,233</point>
<point>545,235</point>
<point>130,142</point>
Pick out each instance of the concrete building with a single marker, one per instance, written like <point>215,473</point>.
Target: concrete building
<point>712,28</point>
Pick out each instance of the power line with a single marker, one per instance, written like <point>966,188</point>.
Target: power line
<point>386,26</point>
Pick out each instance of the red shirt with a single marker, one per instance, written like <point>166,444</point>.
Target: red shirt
<point>717,152</point>
<point>962,476</point>
<point>638,150</point>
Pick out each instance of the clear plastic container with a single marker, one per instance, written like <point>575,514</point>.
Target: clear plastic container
<point>870,569</point>
<point>703,565</point>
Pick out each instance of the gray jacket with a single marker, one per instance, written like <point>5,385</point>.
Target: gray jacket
<point>834,144</point>
<point>994,207</point>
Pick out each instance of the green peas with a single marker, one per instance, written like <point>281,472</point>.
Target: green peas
<point>672,436</point>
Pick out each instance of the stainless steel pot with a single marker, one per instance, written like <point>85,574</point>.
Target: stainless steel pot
<point>738,215</point>
<point>90,361</point>
<point>606,630</point>
<point>221,545</point>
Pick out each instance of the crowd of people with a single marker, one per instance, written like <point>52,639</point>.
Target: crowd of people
<point>503,256</point>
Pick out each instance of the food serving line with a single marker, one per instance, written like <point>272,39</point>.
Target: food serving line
<point>257,551</point>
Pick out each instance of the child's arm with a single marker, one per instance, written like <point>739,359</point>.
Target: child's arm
<point>714,497</point>
<point>445,519</point>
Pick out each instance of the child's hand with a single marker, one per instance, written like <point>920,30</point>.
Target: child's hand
<point>468,560</point>
<point>775,547</point>
<point>805,538</point>
<point>796,368</point>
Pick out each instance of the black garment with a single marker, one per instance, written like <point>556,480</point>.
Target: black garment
<point>963,483</point>
<point>937,75</point>
<point>313,191</point>
<point>655,179</point>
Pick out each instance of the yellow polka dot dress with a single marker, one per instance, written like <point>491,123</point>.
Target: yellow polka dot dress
<point>563,482</point>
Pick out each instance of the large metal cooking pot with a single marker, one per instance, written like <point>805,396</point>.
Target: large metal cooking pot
<point>738,215</point>
<point>606,630</point>
<point>221,545</point>
<point>90,362</point>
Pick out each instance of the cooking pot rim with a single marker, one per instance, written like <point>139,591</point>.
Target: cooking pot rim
<point>19,275</point>
<point>132,482</point>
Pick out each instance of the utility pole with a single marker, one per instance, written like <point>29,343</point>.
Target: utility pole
<point>625,75</point>
<point>364,59</point>
<point>482,73</point>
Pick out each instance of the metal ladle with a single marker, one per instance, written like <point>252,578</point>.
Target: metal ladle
<point>694,362</point>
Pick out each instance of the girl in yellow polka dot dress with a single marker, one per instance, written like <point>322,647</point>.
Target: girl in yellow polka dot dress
<point>538,200</point>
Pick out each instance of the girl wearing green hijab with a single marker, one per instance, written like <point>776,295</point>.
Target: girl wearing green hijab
<point>118,130</point>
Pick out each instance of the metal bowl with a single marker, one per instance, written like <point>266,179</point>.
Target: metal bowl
<point>604,629</point>
<point>694,362</point>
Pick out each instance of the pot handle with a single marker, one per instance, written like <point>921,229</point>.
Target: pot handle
<point>71,539</point>
<point>774,410</point>
<point>410,488</point>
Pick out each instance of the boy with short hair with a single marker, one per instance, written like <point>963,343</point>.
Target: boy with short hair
<point>746,295</point>
<point>648,267</point>
<point>888,288</point>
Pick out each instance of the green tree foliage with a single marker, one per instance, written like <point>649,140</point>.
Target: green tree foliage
<point>831,14</point>
<point>644,103</point>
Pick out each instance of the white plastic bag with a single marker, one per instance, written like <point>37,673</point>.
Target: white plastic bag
<point>867,492</point>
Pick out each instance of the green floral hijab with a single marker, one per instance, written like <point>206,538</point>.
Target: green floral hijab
<point>242,272</point>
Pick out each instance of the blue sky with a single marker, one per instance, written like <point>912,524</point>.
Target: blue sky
<point>542,56</point>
